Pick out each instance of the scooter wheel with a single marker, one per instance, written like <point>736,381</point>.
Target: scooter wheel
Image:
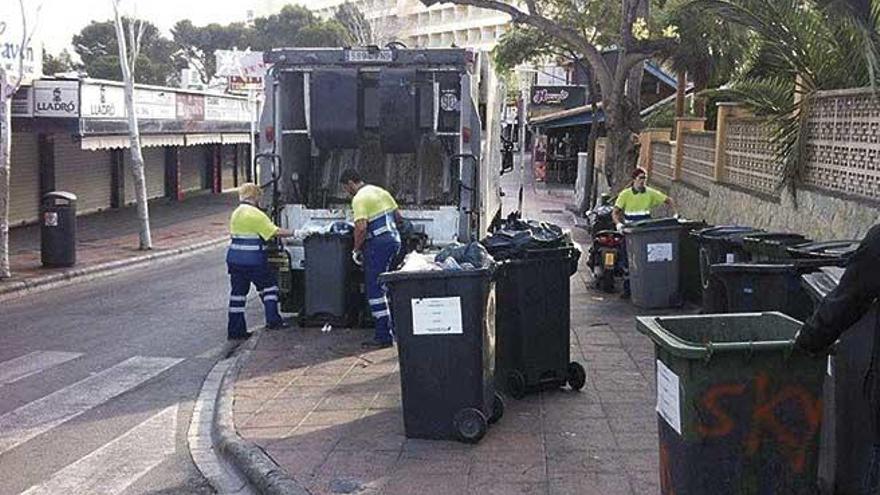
<point>471,425</point>
<point>577,376</point>
<point>516,384</point>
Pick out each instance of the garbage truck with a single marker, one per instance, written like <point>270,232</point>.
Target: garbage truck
<point>425,124</point>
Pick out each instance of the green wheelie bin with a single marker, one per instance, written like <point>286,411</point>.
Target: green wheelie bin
<point>739,408</point>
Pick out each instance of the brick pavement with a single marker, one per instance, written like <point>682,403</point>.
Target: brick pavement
<point>111,235</point>
<point>330,414</point>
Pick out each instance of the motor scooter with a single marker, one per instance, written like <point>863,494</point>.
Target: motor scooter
<point>606,251</point>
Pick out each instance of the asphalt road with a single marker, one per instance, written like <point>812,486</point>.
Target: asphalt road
<point>98,379</point>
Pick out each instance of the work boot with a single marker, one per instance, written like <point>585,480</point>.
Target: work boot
<point>278,325</point>
<point>377,344</point>
<point>238,336</point>
<point>625,294</point>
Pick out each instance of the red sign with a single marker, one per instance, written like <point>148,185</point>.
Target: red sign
<point>190,107</point>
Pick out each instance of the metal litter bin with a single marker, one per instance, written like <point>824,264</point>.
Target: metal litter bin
<point>721,244</point>
<point>444,323</point>
<point>739,408</point>
<point>846,441</point>
<point>533,322</point>
<point>652,248</point>
<point>58,229</point>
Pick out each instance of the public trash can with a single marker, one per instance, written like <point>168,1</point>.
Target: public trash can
<point>329,285</point>
<point>689,261</point>
<point>845,448</point>
<point>652,248</point>
<point>824,249</point>
<point>771,247</point>
<point>720,244</point>
<point>58,229</point>
<point>753,287</point>
<point>533,322</point>
<point>444,323</point>
<point>739,408</point>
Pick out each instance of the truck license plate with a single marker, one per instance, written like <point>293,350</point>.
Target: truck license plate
<point>369,56</point>
<point>610,258</point>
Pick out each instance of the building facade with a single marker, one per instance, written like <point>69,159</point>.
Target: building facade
<point>441,25</point>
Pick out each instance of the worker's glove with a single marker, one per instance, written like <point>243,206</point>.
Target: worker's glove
<point>358,258</point>
<point>620,227</point>
<point>676,216</point>
<point>809,346</point>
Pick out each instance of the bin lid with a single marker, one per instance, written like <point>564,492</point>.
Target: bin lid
<point>652,224</point>
<point>826,249</point>
<point>400,276</point>
<point>701,336</point>
<point>775,238</point>
<point>722,231</point>
<point>820,283</point>
<point>63,195</point>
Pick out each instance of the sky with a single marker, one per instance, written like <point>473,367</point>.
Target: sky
<point>59,20</point>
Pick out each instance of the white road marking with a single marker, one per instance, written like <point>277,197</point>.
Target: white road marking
<point>115,466</point>
<point>33,419</point>
<point>33,363</point>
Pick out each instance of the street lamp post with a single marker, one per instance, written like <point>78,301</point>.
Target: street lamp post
<point>525,80</point>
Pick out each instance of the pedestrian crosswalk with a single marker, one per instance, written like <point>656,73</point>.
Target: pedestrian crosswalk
<point>110,468</point>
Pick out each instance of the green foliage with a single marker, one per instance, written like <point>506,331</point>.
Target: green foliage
<point>97,47</point>
<point>62,63</point>
<point>196,44</point>
<point>799,47</point>
<point>357,28</point>
<point>322,34</point>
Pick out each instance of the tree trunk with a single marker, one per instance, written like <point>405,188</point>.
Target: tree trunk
<point>590,193</point>
<point>145,240</point>
<point>5,159</point>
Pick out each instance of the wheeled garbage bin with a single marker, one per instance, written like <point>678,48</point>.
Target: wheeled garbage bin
<point>845,448</point>
<point>720,244</point>
<point>652,248</point>
<point>739,408</point>
<point>58,229</point>
<point>689,261</point>
<point>444,323</point>
<point>533,322</point>
<point>329,283</point>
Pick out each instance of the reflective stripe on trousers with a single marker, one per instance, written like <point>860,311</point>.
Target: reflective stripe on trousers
<point>379,252</point>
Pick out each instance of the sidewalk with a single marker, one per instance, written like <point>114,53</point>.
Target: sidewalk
<point>330,415</point>
<point>110,238</point>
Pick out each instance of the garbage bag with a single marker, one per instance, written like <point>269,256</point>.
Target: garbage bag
<point>517,236</point>
<point>473,254</point>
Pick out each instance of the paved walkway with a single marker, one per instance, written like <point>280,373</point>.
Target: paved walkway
<point>112,236</point>
<point>330,414</point>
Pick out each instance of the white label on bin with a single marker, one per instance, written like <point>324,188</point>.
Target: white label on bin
<point>50,219</point>
<point>659,252</point>
<point>730,258</point>
<point>437,316</point>
<point>668,403</point>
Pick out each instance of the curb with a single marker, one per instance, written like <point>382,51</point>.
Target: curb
<point>260,469</point>
<point>21,287</point>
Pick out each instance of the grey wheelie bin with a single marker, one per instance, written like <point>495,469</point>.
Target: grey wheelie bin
<point>444,323</point>
<point>330,286</point>
<point>846,443</point>
<point>720,244</point>
<point>739,408</point>
<point>652,248</point>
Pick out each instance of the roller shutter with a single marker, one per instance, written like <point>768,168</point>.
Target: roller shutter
<point>24,179</point>
<point>193,168</point>
<point>227,166</point>
<point>84,173</point>
<point>154,169</point>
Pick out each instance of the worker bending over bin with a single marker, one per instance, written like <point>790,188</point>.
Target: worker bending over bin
<point>376,243</point>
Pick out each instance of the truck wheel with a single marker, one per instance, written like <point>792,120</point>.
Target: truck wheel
<point>470,424</point>
<point>577,376</point>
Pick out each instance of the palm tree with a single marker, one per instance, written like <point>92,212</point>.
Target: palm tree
<point>798,47</point>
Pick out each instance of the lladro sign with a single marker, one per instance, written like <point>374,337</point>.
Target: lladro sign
<point>56,99</point>
<point>101,101</point>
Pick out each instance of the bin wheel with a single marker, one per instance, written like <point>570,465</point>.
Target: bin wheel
<point>577,376</point>
<point>516,384</point>
<point>470,424</point>
<point>497,409</point>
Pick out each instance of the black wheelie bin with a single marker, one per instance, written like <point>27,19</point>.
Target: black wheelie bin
<point>444,323</point>
<point>845,448</point>
<point>771,247</point>
<point>739,408</point>
<point>720,244</point>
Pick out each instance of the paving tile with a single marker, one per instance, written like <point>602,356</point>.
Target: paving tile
<point>509,488</point>
<point>404,483</point>
<point>590,484</point>
<point>329,418</point>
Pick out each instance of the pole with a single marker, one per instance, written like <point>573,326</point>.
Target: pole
<point>252,104</point>
<point>523,121</point>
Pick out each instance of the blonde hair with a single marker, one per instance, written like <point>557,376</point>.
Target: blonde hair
<point>249,191</point>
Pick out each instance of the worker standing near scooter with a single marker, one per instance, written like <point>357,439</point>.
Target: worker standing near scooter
<point>634,204</point>
<point>376,217</point>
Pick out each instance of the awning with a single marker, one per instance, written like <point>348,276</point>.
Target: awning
<point>235,138</point>
<point>196,139</point>
<point>94,143</point>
